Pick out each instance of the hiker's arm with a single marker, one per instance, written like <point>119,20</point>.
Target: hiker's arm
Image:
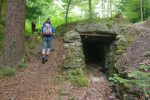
<point>53,30</point>
<point>41,31</point>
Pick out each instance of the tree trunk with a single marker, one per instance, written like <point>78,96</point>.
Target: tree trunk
<point>90,8</point>
<point>14,33</point>
<point>67,10</point>
<point>110,9</point>
<point>103,8</point>
<point>141,6</point>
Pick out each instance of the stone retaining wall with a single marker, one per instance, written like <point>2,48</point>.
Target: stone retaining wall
<point>74,57</point>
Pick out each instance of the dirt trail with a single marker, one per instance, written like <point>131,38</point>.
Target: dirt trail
<point>35,81</point>
<point>39,82</point>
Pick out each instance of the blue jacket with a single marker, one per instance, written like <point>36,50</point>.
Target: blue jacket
<point>53,30</point>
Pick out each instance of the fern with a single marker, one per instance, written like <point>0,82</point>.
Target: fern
<point>139,78</point>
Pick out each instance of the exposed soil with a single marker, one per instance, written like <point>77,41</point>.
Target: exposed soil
<point>136,51</point>
<point>40,81</point>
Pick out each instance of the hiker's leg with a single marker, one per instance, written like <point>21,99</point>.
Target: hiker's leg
<point>52,48</point>
<point>44,45</point>
<point>49,45</point>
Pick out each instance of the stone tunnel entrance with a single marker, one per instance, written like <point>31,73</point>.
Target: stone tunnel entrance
<point>99,51</point>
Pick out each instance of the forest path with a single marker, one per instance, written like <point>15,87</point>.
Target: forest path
<point>34,82</point>
<point>41,82</point>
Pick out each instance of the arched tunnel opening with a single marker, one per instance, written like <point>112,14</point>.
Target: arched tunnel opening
<point>99,52</point>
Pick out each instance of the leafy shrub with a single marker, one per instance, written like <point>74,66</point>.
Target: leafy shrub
<point>7,71</point>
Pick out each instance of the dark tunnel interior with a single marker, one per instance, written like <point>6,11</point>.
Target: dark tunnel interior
<point>94,52</point>
<point>94,49</point>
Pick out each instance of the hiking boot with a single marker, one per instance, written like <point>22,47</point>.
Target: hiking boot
<point>43,60</point>
<point>46,58</point>
<point>52,49</point>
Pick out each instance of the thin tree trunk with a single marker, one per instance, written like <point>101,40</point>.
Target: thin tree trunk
<point>144,11</point>
<point>67,10</point>
<point>102,8</point>
<point>110,9</point>
<point>141,6</point>
<point>14,33</point>
<point>90,8</point>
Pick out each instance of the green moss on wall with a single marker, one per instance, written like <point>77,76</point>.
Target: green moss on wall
<point>3,12</point>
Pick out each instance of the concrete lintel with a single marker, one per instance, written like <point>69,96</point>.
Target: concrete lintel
<point>98,35</point>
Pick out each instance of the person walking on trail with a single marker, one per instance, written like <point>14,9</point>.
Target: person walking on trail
<point>33,25</point>
<point>47,33</point>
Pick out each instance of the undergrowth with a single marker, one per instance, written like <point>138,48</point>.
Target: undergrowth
<point>147,53</point>
<point>10,70</point>
<point>7,71</point>
<point>139,78</point>
<point>75,76</point>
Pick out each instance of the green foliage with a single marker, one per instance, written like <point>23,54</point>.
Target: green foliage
<point>7,71</point>
<point>138,78</point>
<point>33,8</point>
<point>28,28</point>
<point>3,11</point>
<point>144,67</point>
<point>132,10</point>
<point>147,53</point>
<point>22,65</point>
<point>77,76</point>
<point>117,79</point>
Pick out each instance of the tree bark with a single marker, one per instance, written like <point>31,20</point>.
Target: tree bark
<point>14,33</point>
<point>90,8</point>
<point>67,10</point>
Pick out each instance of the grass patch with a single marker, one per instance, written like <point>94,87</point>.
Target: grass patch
<point>22,65</point>
<point>78,77</point>
<point>7,71</point>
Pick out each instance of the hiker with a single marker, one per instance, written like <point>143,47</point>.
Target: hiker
<point>47,33</point>
<point>33,25</point>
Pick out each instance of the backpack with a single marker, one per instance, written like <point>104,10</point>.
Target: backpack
<point>47,30</point>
